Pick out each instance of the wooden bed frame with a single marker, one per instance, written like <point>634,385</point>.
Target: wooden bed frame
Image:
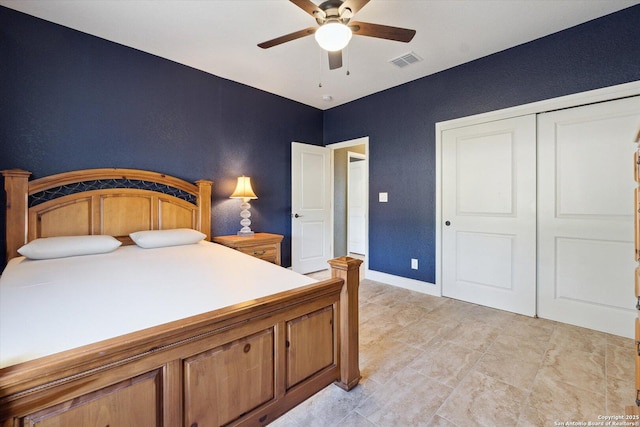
<point>245,364</point>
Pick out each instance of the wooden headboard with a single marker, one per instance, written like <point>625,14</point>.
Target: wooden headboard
<point>101,201</point>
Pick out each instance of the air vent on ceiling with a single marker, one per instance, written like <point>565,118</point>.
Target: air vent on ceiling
<point>406,59</point>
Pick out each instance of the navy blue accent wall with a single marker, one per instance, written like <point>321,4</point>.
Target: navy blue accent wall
<point>70,101</point>
<point>400,123</point>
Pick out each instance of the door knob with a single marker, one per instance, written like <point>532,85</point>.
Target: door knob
<point>447,223</point>
<point>297,216</point>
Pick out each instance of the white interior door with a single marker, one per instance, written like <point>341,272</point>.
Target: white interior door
<point>489,214</point>
<point>310,207</point>
<point>585,211</point>
<point>356,204</point>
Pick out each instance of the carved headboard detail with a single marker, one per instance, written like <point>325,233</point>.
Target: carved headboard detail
<point>101,201</point>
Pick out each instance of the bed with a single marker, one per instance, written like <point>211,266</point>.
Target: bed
<point>192,334</point>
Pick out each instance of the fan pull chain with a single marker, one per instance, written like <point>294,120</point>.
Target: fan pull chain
<point>320,74</point>
<point>348,60</point>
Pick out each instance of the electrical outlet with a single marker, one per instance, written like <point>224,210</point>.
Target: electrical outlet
<point>383,197</point>
<point>414,264</point>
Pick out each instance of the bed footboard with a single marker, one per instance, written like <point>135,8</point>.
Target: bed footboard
<point>241,365</point>
<point>347,268</point>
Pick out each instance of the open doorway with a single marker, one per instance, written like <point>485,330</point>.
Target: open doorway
<point>356,204</point>
<point>319,204</point>
<point>350,168</point>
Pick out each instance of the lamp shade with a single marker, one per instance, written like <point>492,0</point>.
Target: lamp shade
<point>333,36</point>
<point>243,189</point>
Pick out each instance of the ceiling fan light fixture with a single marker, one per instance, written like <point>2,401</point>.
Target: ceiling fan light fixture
<point>333,36</point>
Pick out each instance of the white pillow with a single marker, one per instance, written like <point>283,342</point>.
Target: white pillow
<point>66,246</point>
<point>160,238</point>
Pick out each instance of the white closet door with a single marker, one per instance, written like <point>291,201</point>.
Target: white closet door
<point>585,215</point>
<point>489,208</point>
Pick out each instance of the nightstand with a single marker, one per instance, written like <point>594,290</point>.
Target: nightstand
<point>265,246</point>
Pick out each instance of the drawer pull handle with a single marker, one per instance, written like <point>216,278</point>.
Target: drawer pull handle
<point>247,348</point>
<point>638,303</point>
<point>264,251</point>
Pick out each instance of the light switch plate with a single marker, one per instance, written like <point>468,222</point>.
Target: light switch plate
<point>383,197</point>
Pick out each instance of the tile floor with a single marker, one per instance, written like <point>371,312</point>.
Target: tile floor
<point>429,361</point>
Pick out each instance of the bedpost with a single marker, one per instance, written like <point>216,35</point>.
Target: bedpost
<point>16,187</point>
<point>348,269</point>
<point>204,205</point>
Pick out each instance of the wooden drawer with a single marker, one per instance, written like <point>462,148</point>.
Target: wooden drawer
<point>265,246</point>
<point>265,252</point>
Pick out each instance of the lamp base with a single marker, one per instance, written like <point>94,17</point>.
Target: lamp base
<point>245,231</point>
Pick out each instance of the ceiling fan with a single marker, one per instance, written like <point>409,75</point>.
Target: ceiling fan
<point>335,28</point>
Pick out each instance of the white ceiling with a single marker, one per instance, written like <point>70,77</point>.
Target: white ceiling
<point>220,37</point>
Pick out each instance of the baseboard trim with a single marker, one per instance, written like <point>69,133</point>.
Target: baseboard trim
<point>403,282</point>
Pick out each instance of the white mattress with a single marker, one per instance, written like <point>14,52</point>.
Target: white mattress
<point>48,306</point>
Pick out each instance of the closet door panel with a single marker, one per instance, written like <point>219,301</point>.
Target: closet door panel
<point>489,230</point>
<point>586,214</point>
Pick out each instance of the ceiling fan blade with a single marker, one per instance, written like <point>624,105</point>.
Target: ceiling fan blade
<point>310,7</point>
<point>382,31</point>
<point>288,37</point>
<point>353,5</point>
<point>335,59</point>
